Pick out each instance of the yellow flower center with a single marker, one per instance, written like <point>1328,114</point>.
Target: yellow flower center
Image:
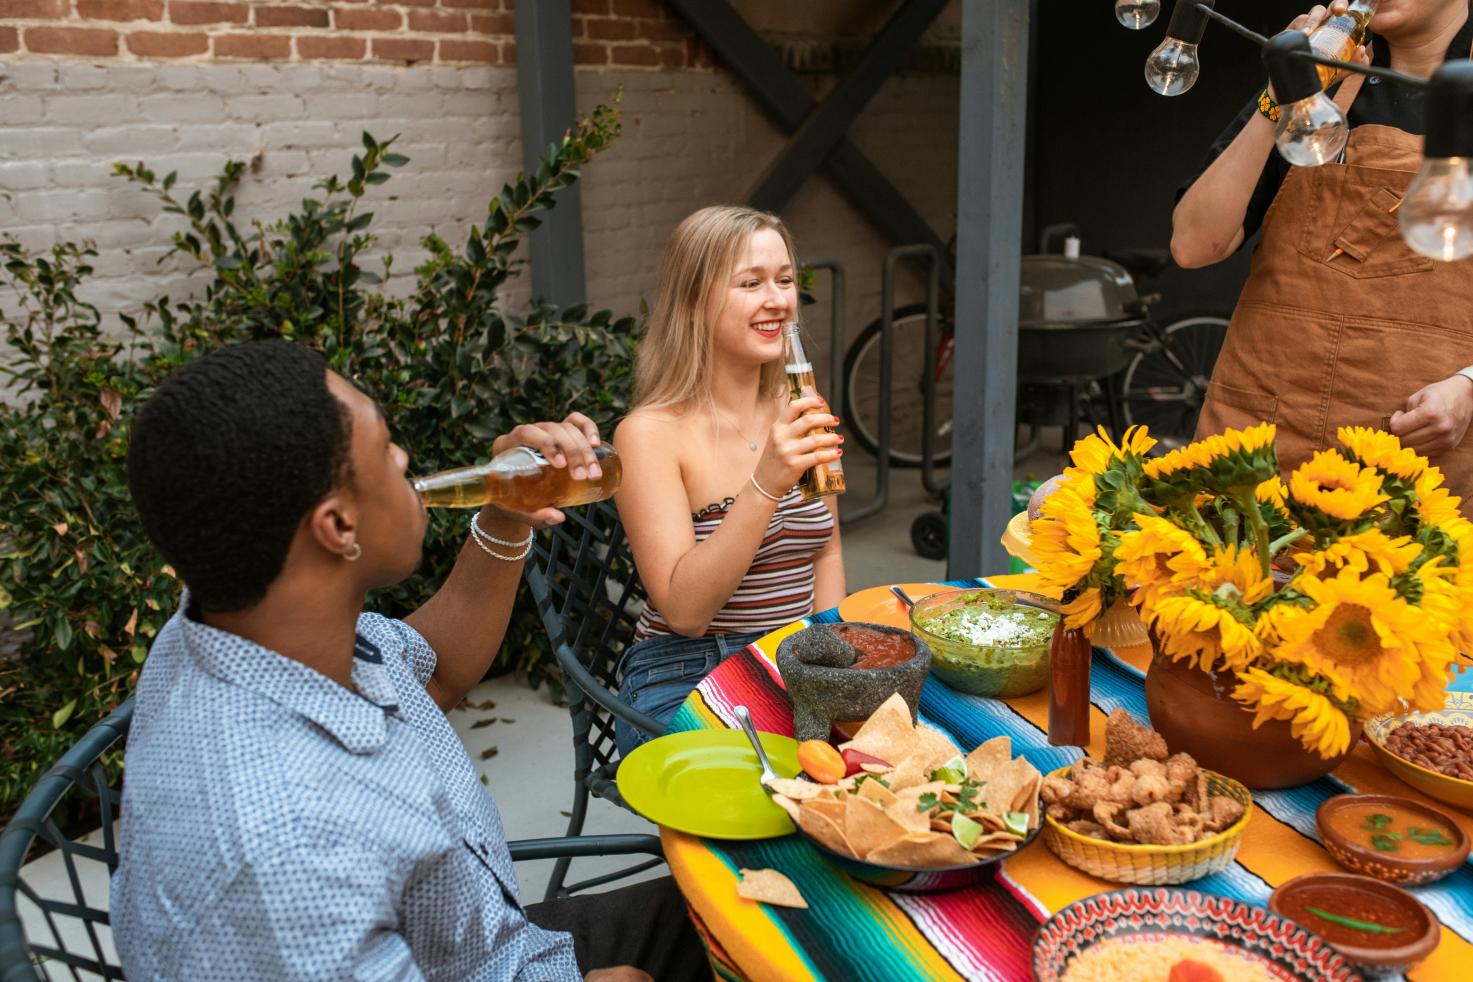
<point>1348,637</point>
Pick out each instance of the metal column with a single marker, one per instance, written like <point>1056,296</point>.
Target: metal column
<point>545,90</point>
<point>991,140</point>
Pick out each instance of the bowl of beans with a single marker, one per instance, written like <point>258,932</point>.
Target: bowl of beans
<point>1433,751</point>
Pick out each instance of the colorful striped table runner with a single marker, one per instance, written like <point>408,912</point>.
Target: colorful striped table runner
<point>853,931</point>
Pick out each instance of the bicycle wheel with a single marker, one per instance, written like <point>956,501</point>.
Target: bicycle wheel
<point>862,391</point>
<point>1166,381</point>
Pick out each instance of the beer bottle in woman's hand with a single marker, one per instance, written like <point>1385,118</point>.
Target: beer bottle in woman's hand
<point>820,479</point>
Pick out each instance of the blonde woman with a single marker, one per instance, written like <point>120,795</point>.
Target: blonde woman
<point>727,548</point>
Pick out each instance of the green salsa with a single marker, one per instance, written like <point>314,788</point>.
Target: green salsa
<point>984,643</point>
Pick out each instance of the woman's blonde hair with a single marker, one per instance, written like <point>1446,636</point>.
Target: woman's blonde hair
<point>673,367</point>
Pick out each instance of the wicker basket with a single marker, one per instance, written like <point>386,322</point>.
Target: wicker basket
<point>1153,865</point>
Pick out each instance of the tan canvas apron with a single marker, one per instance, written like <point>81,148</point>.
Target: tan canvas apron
<point>1318,343</point>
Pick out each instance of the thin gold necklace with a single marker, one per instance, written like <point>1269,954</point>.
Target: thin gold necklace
<point>751,444</point>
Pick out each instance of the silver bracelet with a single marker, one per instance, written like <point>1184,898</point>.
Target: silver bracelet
<point>763,491</point>
<point>478,534</point>
<point>481,533</point>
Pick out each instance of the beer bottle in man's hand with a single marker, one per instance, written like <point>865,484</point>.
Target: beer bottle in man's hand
<point>820,479</point>
<point>521,480</point>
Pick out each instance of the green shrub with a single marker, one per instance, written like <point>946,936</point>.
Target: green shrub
<point>450,366</point>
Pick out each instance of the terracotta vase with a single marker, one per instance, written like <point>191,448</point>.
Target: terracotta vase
<point>1196,713</point>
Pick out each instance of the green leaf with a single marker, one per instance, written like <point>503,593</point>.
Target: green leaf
<point>59,718</point>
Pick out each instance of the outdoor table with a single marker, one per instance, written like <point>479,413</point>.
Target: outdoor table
<point>854,931</point>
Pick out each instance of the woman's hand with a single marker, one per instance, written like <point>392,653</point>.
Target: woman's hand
<point>1436,417</point>
<point>567,444</point>
<point>796,442</point>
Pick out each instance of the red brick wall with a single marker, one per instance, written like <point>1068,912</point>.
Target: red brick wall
<point>625,34</point>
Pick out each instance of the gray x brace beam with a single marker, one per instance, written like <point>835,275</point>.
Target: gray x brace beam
<point>819,129</point>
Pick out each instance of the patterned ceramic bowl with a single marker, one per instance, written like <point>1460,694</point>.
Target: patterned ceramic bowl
<point>1283,948</point>
<point>1456,711</point>
<point>1126,862</point>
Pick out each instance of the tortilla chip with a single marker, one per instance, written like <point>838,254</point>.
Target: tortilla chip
<point>1026,800</point>
<point>795,789</point>
<point>787,804</point>
<point>867,827</point>
<point>908,773</point>
<point>1007,784</point>
<point>824,829</point>
<point>888,733</point>
<point>1003,841</point>
<point>869,768</point>
<point>768,886</point>
<point>935,747</point>
<point>987,758</point>
<point>828,806</point>
<point>873,790</point>
<point>932,849</point>
<point>904,812</point>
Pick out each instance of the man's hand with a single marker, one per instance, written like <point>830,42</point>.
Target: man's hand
<point>1436,417</point>
<point>621,973</point>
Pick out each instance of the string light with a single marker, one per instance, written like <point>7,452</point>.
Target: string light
<point>1311,129</point>
<point>1173,67</point>
<point>1137,14</point>
<point>1436,215</point>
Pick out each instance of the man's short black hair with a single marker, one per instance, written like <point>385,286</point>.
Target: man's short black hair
<point>226,458</point>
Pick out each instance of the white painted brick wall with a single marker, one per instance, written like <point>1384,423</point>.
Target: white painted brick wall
<point>690,139</point>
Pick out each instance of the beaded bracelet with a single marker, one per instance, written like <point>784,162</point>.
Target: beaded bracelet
<point>478,534</point>
<point>1267,108</point>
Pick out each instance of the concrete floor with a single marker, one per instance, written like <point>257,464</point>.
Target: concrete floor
<point>529,768</point>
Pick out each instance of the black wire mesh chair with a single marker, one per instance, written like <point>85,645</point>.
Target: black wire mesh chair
<point>582,577</point>
<point>77,937</point>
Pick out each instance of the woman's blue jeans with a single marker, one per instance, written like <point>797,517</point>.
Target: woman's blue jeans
<point>659,672</point>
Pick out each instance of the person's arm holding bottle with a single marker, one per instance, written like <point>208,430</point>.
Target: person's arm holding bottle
<point>465,621</point>
<point>1207,225</point>
<point>688,582</point>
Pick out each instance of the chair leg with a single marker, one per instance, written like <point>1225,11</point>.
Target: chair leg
<point>575,828</point>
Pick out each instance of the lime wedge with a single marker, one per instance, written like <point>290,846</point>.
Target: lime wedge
<point>1016,823</point>
<point>965,831</point>
<point>954,771</point>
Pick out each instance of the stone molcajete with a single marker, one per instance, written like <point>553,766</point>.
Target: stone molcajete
<point>819,671</point>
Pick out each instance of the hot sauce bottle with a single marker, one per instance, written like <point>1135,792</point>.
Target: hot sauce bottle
<point>1068,693</point>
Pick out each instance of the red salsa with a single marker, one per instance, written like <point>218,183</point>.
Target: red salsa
<point>877,649</point>
<point>1349,915</point>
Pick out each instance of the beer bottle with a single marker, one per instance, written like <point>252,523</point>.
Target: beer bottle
<point>1068,693</point>
<point>520,479</point>
<point>1338,37</point>
<point>820,479</point>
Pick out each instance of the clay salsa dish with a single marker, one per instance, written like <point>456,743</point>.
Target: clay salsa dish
<point>1391,838</point>
<point>1371,923</point>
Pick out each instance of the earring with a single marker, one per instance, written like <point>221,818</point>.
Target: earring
<point>354,551</point>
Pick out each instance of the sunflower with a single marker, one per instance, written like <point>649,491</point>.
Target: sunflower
<point>1084,609</point>
<point>1377,448</point>
<point>1332,485</point>
<point>1361,552</point>
<point>1066,538</point>
<point>1273,492</point>
<point>1210,624</point>
<point>1242,458</point>
<point>1457,535</point>
<point>1435,503</point>
<point>1314,719</point>
<point>1156,554</point>
<point>1094,453</point>
<point>1368,642</point>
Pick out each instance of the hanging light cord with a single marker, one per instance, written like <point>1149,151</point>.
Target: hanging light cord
<point>1318,59</point>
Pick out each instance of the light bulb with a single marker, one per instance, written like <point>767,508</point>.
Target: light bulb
<point>1437,213</point>
<point>1311,131</point>
<point>1172,68</point>
<point>1137,14</point>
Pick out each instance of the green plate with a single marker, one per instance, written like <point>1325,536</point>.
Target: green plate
<point>705,782</point>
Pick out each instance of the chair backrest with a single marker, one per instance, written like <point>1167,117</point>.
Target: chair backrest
<point>67,889</point>
<point>583,579</point>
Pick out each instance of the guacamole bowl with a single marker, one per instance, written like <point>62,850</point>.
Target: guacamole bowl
<point>987,642</point>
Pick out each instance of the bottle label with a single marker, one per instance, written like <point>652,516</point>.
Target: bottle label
<point>794,369</point>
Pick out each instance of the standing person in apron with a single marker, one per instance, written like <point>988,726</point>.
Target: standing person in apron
<point>1340,324</point>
